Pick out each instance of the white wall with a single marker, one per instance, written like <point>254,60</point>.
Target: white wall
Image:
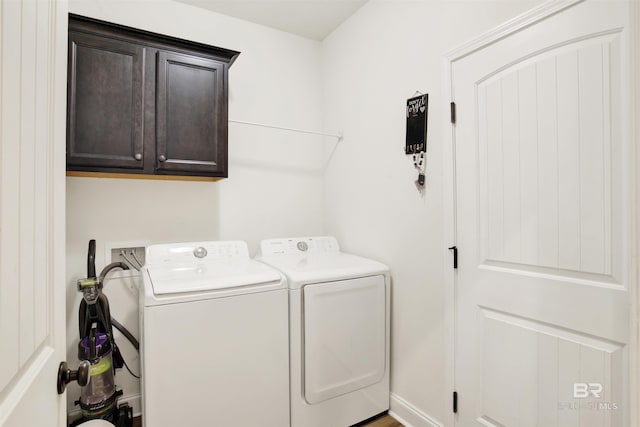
<point>360,189</point>
<point>371,65</point>
<point>275,178</point>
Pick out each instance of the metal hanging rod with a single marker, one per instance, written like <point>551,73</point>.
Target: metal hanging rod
<point>338,136</point>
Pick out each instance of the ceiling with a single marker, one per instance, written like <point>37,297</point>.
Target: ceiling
<point>313,19</point>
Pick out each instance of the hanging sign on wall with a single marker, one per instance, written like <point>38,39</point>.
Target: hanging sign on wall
<point>417,124</point>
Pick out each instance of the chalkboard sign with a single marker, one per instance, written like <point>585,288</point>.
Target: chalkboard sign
<point>417,124</point>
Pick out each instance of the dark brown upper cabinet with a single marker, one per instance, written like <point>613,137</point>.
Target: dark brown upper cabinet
<point>142,104</point>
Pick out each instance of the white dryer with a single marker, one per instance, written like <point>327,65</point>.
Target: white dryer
<point>215,339</point>
<point>339,331</point>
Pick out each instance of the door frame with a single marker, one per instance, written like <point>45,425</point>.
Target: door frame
<point>512,26</point>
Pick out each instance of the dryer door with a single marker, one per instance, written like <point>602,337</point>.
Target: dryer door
<point>344,336</point>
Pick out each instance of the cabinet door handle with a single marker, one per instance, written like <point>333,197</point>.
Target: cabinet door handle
<point>162,158</point>
<point>138,156</point>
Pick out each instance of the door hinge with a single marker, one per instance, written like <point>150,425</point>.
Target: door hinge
<point>453,112</point>
<point>455,256</point>
<point>455,402</point>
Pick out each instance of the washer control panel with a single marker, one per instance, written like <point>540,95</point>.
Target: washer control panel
<point>195,252</point>
<point>299,245</point>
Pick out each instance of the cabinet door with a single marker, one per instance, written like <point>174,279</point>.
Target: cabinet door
<point>191,115</point>
<point>105,108</point>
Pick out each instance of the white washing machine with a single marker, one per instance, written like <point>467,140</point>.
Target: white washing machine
<point>214,338</point>
<point>339,331</point>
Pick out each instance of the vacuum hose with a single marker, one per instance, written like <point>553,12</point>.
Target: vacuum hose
<point>114,322</point>
<point>110,267</point>
<point>126,333</point>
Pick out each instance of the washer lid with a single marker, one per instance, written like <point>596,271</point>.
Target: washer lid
<point>178,268</point>
<point>213,275</point>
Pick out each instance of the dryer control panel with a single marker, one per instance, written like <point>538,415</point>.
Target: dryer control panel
<point>299,245</point>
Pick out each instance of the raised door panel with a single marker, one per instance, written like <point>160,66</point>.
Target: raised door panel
<point>191,115</point>
<point>106,98</point>
<point>545,135</point>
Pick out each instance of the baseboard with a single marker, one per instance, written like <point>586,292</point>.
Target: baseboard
<point>133,401</point>
<point>409,415</point>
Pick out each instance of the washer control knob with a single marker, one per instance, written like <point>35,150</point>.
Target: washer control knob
<point>200,252</point>
<point>302,246</point>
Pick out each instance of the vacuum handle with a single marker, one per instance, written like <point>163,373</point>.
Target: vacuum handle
<point>66,375</point>
<point>91,259</point>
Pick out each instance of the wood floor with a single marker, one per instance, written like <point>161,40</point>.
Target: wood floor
<point>385,420</point>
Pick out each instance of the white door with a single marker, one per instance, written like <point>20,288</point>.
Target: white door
<point>543,214</point>
<point>32,164</point>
